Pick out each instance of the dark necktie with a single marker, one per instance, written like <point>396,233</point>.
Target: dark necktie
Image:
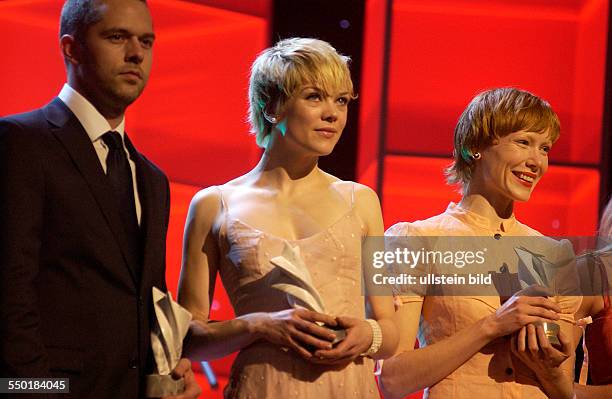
<point>120,176</point>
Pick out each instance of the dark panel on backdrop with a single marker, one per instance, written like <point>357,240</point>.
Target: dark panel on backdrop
<point>606,137</point>
<point>339,22</point>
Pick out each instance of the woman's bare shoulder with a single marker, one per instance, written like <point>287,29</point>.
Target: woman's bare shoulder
<point>362,192</point>
<point>205,204</point>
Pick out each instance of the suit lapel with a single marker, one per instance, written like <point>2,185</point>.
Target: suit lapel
<point>75,140</point>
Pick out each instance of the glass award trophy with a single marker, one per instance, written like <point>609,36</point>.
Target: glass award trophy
<point>167,334</point>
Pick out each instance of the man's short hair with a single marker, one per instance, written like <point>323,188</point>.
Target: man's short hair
<point>280,71</point>
<point>78,15</point>
<point>491,115</point>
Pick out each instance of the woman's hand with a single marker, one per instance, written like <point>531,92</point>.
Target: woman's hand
<point>519,311</point>
<point>531,346</point>
<point>534,349</point>
<point>293,329</point>
<point>358,339</point>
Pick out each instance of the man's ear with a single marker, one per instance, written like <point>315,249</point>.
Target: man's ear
<point>71,49</point>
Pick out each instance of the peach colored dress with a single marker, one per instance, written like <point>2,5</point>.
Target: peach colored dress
<point>493,372</point>
<point>333,257</point>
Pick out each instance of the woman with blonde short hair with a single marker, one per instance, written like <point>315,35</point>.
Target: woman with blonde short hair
<point>286,206</point>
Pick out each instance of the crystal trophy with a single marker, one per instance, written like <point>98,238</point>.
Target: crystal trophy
<point>167,334</point>
<point>535,275</point>
<point>294,279</point>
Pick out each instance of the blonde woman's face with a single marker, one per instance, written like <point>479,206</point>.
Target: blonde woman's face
<point>313,120</point>
<point>514,164</point>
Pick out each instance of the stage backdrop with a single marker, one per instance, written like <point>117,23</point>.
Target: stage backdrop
<point>433,56</point>
<point>422,62</point>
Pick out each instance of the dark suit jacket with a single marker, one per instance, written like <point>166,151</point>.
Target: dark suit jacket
<point>71,304</point>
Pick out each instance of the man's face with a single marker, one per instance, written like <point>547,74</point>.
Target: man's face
<point>117,53</point>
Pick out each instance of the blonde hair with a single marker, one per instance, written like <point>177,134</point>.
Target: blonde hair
<point>279,72</point>
<point>491,115</point>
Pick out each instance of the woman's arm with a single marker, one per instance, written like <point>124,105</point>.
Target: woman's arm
<point>209,340</point>
<point>381,306</point>
<point>591,305</point>
<point>411,370</point>
<point>414,369</point>
<point>593,391</point>
<point>359,332</point>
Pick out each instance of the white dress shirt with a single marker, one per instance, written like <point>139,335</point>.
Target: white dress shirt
<point>96,125</point>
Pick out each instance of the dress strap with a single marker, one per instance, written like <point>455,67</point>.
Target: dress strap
<point>223,218</point>
<point>223,204</point>
<point>224,207</point>
<point>341,187</point>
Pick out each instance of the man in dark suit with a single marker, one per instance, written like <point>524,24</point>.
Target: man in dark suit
<point>83,216</point>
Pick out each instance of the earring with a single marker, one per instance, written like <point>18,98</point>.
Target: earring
<point>468,156</point>
<point>271,119</point>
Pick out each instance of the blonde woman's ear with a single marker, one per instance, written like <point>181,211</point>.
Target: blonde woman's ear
<point>269,118</point>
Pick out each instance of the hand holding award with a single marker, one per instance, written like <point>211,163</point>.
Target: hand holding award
<point>294,279</point>
<point>172,324</point>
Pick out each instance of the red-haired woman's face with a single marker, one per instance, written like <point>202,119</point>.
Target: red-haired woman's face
<point>513,165</point>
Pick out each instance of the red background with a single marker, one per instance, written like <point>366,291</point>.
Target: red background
<point>191,119</point>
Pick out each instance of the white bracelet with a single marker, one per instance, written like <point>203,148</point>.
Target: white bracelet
<point>376,338</point>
